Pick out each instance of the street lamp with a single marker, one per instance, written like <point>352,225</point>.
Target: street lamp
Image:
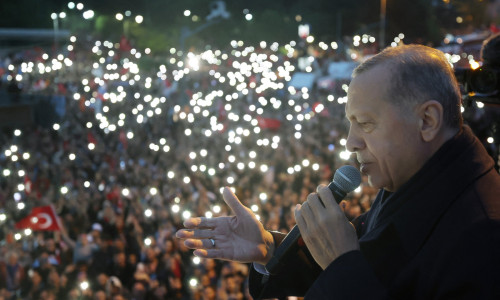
<point>382,24</point>
<point>55,21</point>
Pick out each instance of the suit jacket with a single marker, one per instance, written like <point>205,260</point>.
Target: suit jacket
<point>437,237</point>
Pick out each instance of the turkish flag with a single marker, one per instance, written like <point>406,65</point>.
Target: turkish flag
<point>43,218</point>
<point>269,123</point>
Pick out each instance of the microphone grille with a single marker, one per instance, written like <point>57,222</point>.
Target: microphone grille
<point>347,178</point>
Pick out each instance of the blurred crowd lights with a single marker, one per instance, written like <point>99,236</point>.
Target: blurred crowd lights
<point>246,63</point>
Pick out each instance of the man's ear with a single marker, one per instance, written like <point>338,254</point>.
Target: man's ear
<point>431,119</point>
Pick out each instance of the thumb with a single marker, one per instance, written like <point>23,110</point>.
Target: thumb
<point>233,202</point>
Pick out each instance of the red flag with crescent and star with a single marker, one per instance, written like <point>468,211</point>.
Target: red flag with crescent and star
<point>42,218</point>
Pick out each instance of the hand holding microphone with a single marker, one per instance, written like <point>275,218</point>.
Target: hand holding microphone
<point>322,224</point>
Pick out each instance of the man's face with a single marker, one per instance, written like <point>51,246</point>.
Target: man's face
<point>384,137</point>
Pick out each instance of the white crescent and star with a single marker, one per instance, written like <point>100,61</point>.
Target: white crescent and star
<point>48,220</point>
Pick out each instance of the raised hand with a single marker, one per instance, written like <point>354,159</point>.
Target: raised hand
<point>239,238</point>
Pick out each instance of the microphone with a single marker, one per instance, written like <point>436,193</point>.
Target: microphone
<point>345,180</point>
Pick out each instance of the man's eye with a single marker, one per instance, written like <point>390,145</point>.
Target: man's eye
<point>365,125</point>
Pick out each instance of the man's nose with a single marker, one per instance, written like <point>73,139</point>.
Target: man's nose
<point>354,142</point>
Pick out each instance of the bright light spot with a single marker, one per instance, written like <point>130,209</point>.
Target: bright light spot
<point>196,260</point>
<point>208,214</point>
<point>148,212</point>
<point>187,13</point>
<point>72,156</point>
<point>64,190</point>
<point>89,14</point>
<point>474,64</point>
<point>17,236</point>
<point>119,16</point>
<point>345,155</point>
<point>21,205</point>
<point>263,196</point>
<point>175,208</point>
<point>153,191</point>
<point>3,217</point>
<point>193,282</point>
<point>216,209</point>
<point>490,140</point>
<point>91,146</point>
<point>343,142</point>
<point>56,126</point>
<point>17,132</point>
<point>255,208</point>
<point>248,17</point>
<point>27,232</point>
<point>186,214</point>
<point>125,192</point>
<point>186,180</point>
<point>139,19</point>
<point>147,241</point>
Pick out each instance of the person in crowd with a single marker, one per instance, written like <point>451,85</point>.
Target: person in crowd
<point>433,231</point>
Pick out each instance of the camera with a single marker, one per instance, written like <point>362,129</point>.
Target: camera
<point>481,84</point>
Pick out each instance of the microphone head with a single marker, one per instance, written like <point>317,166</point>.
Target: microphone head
<point>347,178</point>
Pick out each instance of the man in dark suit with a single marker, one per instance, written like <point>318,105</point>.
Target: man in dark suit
<point>433,231</point>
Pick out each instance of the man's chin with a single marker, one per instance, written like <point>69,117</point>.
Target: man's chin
<point>374,183</point>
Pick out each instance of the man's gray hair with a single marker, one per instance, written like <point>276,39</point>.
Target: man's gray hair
<point>419,74</point>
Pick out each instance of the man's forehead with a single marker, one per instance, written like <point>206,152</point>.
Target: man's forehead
<point>366,90</point>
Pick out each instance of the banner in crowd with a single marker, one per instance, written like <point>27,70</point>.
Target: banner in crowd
<point>269,123</point>
<point>42,218</point>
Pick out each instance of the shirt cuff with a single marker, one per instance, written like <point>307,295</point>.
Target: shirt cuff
<point>260,268</point>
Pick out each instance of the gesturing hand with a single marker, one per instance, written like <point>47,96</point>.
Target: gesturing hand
<point>240,238</point>
<point>325,229</point>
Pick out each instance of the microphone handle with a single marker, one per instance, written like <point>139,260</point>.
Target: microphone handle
<point>288,246</point>
<point>293,240</point>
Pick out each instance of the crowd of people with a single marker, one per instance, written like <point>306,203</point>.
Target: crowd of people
<point>132,153</point>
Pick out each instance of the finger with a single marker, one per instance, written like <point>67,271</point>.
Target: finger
<point>315,205</point>
<point>198,244</point>
<point>327,198</point>
<point>194,234</point>
<point>307,212</point>
<point>299,219</point>
<point>201,222</point>
<point>210,253</point>
<point>319,187</point>
<point>233,202</point>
